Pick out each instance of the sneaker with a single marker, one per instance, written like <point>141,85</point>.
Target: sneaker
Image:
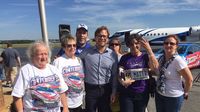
<point>8,85</point>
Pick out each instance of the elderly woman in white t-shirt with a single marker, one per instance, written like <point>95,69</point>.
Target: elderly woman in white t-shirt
<point>39,86</point>
<point>172,68</point>
<point>71,68</point>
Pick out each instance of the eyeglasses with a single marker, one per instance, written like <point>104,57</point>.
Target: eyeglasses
<point>114,44</point>
<point>70,45</point>
<point>169,43</point>
<point>104,36</point>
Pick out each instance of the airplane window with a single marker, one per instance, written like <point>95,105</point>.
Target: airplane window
<point>147,34</point>
<point>154,34</point>
<point>162,33</point>
<point>151,34</point>
<point>158,34</point>
<point>165,33</point>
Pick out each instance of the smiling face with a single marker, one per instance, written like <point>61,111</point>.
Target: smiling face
<point>81,36</point>
<point>70,48</point>
<point>101,39</point>
<point>40,56</point>
<point>115,45</point>
<point>170,45</point>
<point>135,46</point>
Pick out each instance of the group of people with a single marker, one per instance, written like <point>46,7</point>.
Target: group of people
<point>99,73</point>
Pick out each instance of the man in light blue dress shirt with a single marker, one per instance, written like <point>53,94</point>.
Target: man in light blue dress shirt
<point>100,66</point>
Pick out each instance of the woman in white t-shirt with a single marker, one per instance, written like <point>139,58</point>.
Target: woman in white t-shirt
<point>72,70</point>
<point>39,86</point>
<point>172,68</point>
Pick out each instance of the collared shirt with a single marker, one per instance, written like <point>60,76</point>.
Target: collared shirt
<point>100,68</point>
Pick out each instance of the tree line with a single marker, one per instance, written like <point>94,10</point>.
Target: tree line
<point>24,41</point>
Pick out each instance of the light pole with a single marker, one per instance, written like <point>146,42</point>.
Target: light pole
<point>41,5</point>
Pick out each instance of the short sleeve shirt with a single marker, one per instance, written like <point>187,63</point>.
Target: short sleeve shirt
<point>40,89</point>
<point>128,61</point>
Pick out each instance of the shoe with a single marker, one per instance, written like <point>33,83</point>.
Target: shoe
<point>8,85</point>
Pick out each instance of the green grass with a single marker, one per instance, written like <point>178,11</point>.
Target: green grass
<point>115,106</point>
<point>52,45</point>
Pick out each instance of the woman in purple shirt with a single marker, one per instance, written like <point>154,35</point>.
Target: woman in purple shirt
<point>133,74</point>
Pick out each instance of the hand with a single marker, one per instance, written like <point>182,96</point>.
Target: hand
<point>145,43</point>
<point>65,110</point>
<point>185,96</point>
<point>112,98</point>
<point>127,82</point>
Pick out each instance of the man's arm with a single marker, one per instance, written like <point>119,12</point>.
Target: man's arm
<point>19,61</point>
<point>114,75</point>
<point>17,57</point>
<point>18,104</point>
<point>1,59</point>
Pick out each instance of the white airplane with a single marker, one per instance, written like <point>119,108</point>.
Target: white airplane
<point>157,35</point>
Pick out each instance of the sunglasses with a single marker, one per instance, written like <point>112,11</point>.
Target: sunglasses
<point>70,45</point>
<point>169,43</point>
<point>114,44</point>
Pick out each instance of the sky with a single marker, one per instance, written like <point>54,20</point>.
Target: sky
<point>19,19</point>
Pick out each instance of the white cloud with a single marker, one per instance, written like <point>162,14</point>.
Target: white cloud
<point>24,4</point>
<point>10,22</point>
<point>119,17</point>
<point>115,11</point>
<point>116,14</point>
<point>52,2</point>
<point>192,2</point>
<point>94,1</point>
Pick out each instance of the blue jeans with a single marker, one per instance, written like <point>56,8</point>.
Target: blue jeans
<point>168,104</point>
<point>133,102</point>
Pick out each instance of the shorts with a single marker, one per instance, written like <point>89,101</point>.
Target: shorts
<point>11,73</point>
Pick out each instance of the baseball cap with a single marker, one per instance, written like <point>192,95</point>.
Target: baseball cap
<point>82,26</point>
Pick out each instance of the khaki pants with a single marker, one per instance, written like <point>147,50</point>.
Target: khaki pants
<point>11,73</point>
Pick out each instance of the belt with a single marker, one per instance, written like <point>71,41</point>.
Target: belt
<point>87,85</point>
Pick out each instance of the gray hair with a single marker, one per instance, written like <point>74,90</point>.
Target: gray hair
<point>32,49</point>
<point>65,39</point>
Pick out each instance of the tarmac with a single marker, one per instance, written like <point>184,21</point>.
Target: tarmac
<point>190,105</point>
